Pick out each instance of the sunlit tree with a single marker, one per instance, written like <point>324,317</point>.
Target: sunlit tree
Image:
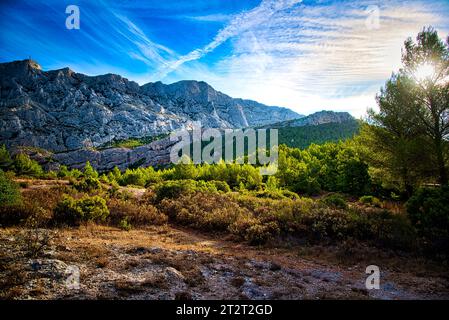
<point>408,135</point>
<point>426,61</point>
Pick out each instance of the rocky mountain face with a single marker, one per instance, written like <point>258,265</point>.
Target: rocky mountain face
<point>317,118</point>
<point>62,110</point>
<point>68,115</point>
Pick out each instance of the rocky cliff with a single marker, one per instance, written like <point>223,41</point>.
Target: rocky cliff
<point>61,110</point>
<point>317,118</point>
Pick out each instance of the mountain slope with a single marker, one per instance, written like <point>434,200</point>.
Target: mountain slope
<point>62,110</point>
<point>314,119</point>
<point>303,136</point>
<point>318,128</point>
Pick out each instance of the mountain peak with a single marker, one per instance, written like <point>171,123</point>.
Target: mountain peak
<point>29,63</point>
<point>20,68</point>
<point>63,110</point>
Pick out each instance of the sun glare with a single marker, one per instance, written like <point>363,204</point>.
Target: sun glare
<point>424,71</point>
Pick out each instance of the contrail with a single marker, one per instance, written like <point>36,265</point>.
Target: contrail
<point>237,25</point>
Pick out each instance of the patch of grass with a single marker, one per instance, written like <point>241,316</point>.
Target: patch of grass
<point>133,142</point>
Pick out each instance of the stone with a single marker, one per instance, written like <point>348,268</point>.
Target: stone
<point>62,111</point>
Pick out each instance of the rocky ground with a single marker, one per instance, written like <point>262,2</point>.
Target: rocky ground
<point>171,263</point>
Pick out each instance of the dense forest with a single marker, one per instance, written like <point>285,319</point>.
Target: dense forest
<point>304,136</point>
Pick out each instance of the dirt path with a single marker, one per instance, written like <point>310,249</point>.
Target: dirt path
<point>167,263</point>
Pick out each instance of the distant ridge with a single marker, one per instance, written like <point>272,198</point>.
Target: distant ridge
<point>62,110</point>
<point>317,118</point>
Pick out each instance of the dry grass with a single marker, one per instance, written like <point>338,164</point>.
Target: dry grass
<point>136,212</point>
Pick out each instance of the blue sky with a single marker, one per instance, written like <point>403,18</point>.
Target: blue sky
<point>305,55</point>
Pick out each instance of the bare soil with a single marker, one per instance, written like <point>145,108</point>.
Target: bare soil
<point>171,263</point>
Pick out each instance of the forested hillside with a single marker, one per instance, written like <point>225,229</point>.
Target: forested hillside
<point>302,137</point>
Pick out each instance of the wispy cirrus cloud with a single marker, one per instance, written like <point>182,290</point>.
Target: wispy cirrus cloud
<point>211,17</point>
<point>307,55</point>
<point>324,56</point>
<point>236,26</point>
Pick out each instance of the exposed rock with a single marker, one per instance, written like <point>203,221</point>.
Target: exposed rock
<point>314,119</point>
<point>61,110</point>
<point>51,268</point>
<point>174,275</point>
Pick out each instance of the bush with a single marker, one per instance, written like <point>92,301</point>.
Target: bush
<point>258,234</point>
<point>428,210</point>
<point>221,186</point>
<point>9,192</point>
<point>87,184</point>
<point>72,211</point>
<point>25,166</point>
<point>89,171</point>
<point>124,224</point>
<point>174,188</point>
<point>335,201</point>
<point>5,158</point>
<point>63,172</point>
<point>276,194</point>
<point>136,213</point>
<point>50,175</point>
<point>203,211</point>
<point>253,231</point>
<point>391,230</point>
<point>370,200</point>
<point>34,202</point>
<point>133,177</point>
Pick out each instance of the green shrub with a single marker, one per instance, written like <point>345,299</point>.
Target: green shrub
<point>276,194</point>
<point>9,192</point>
<point>335,201</point>
<point>72,211</point>
<point>175,188</point>
<point>185,170</point>
<point>221,186</point>
<point>428,210</point>
<point>89,171</point>
<point>124,224</point>
<point>133,177</point>
<point>5,158</point>
<point>327,223</point>
<point>75,173</point>
<point>24,166</point>
<point>50,175</point>
<point>87,184</point>
<point>370,200</point>
<point>104,179</point>
<point>63,172</point>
